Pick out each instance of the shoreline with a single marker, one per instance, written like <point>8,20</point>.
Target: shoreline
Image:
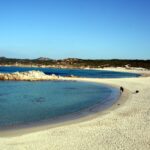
<point>74,118</point>
<point>35,75</point>
<point>124,126</point>
<point>143,72</point>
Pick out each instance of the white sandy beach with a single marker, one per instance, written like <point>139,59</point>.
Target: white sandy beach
<point>125,127</point>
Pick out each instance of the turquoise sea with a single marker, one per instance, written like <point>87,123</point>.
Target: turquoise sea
<point>23,102</point>
<point>75,72</point>
<point>29,102</point>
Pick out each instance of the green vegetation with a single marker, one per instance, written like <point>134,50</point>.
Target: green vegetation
<point>75,63</point>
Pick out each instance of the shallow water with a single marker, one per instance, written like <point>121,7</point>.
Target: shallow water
<point>30,102</point>
<point>75,72</point>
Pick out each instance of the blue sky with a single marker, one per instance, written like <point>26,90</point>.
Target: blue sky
<point>95,29</point>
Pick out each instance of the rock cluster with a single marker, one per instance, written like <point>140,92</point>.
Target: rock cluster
<point>28,76</point>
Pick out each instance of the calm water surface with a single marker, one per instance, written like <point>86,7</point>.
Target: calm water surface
<point>75,72</point>
<point>29,102</point>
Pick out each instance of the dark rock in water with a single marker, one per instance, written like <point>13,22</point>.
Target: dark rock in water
<point>70,88</point>
<point>39,100</point>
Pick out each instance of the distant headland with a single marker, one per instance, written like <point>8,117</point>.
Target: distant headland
<point>75,63</point>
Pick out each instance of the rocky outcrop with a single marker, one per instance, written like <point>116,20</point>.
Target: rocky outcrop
<point>28,76</point>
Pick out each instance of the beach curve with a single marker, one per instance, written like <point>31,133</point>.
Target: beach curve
<point>125,127</point>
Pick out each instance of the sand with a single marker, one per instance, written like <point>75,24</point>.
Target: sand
<point>126,126</point>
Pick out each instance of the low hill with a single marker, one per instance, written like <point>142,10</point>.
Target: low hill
<point>75,63</point>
